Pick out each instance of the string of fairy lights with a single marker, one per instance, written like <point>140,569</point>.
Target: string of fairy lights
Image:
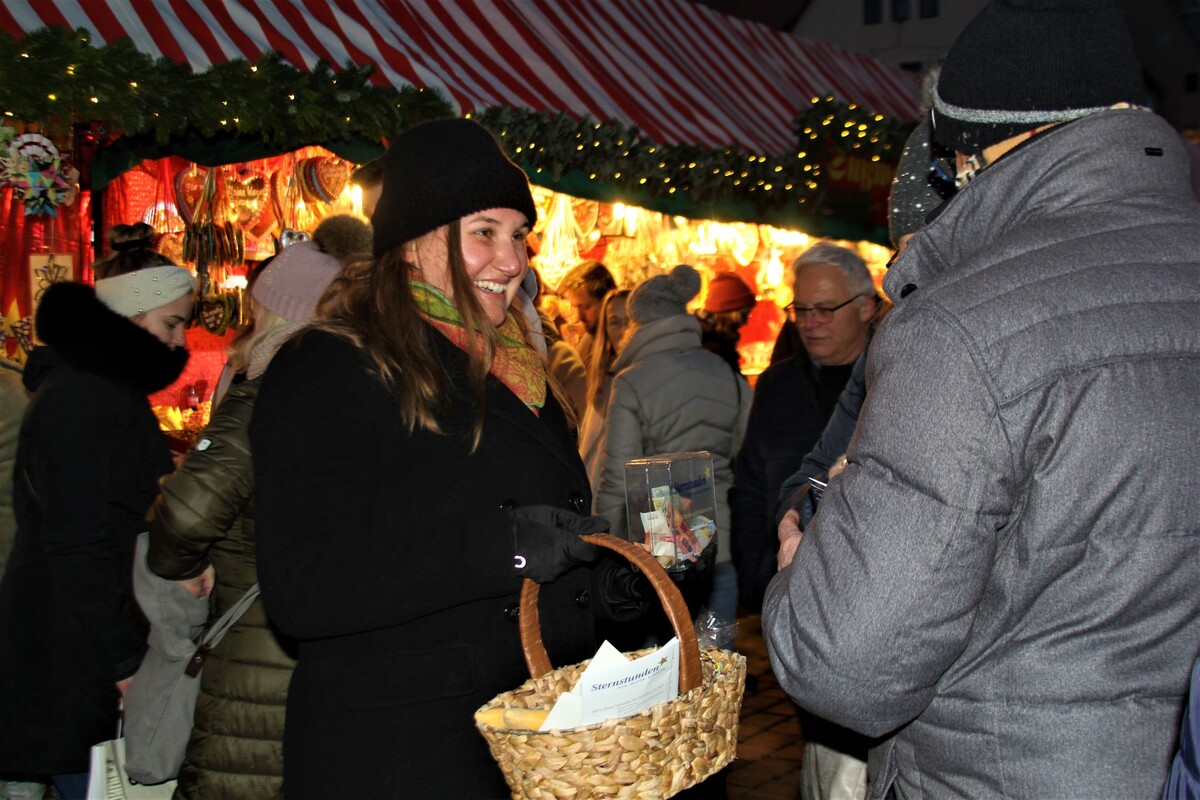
<point>54,76</point>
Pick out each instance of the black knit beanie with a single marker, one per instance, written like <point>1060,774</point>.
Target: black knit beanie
<point>1021,64</point>
<point>437,172</point>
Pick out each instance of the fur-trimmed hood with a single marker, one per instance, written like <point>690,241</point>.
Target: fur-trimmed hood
<point>84,333</point>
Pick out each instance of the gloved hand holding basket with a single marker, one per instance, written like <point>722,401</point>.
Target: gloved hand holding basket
<point>656,753</point>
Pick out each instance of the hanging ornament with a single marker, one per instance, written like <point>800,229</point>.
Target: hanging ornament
<point>322,179</point>
<point>560,241</point>
<point>218,312</point>
<point>35,147</point>
<point>247,193</point>
<point>279,191</point>
<point>743,242</point>
<point>587,212</point>
<point>189,191</point>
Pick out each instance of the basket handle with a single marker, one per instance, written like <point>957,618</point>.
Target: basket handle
<point>538,660</point>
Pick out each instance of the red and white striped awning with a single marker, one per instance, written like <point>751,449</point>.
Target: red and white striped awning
<point>681,72</point>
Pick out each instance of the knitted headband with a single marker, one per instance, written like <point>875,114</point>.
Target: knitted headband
<point>137,292</point>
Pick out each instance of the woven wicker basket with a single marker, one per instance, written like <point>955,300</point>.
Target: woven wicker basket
<point>656,753</point>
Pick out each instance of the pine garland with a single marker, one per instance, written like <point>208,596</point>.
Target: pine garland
<point>55,77</point>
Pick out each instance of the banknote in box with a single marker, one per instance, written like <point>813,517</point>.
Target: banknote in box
<point>671,505</point>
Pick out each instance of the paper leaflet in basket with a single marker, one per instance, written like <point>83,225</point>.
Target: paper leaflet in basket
<point>614,686</point>
<point>671,505</point>
<point>654,753</point>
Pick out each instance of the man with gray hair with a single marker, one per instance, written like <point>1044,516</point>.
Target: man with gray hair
<point>832,308</point>
<point>1001,584</point>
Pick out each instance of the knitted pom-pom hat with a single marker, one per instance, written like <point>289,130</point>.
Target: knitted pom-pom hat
<point>664,295</point>
<point>343,236</point>
<point>1021,64</point>
<point>294,281</point>
<point>440,171</point>
<point>728,292</point>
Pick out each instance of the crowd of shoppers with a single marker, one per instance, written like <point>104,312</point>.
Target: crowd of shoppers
<point>202,533</point>
<point>994,595</point>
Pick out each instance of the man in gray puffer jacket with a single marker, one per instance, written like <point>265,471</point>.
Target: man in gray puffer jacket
<point>1003,580</point>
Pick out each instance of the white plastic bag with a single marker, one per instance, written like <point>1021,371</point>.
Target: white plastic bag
<point>107,779</point>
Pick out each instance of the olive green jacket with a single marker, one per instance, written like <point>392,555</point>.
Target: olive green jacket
<point>205,514</point>
<point>13,399</point>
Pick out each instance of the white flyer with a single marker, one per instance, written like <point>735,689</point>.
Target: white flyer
<point>614,686</point>
<point>629,687</point>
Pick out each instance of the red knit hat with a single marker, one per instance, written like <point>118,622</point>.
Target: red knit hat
<point>728,292</point>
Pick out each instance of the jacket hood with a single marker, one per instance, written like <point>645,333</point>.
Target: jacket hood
<point>677,332</point>
<point>1115,157</point>
<point>84,333</point>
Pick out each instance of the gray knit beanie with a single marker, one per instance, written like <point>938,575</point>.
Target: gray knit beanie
<point>664,295</point>
<point>912,197</point>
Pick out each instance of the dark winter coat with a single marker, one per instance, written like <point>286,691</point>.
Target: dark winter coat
<point>786,420</point>
<point>88,464</point>
<point>1003,579</point>
<point>388,555</point>
<point>206,514</point>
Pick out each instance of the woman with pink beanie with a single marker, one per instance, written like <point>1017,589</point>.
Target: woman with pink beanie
<point>202,535</point>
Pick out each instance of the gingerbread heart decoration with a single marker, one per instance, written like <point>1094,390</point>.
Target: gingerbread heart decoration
<point>331,177</point>
<point>189,188</point>
<point>215,314</point>
<point>247,195</point>
<point>279,188</point>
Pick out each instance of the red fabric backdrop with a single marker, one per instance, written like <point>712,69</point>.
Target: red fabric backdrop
<point>69,233</point>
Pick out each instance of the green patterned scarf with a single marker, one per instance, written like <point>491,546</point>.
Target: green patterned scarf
<point>517,365</point>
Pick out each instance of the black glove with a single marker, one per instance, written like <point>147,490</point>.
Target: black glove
<point>547,544</point>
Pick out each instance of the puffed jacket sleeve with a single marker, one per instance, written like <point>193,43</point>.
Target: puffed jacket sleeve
<point>199,502</point>
<point>622,442</point>
<point>832,445</point>
<point>885,586</point>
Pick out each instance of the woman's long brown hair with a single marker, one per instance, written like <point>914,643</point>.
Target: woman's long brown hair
<point>371,304</point>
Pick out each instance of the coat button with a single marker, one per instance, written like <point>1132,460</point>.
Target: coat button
<point>512,612</point>
<point>582,598</point>
<point>907,289</point>
<point>508,504</point>
<point>576,500</point>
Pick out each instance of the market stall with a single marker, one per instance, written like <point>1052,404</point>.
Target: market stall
<point>696,137</point>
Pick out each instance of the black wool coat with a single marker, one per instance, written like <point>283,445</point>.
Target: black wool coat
<point>387,554</point>
<point>786,420</point>
<point>87,469</point>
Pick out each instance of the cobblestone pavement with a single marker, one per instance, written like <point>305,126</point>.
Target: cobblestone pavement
<point>770,745</point>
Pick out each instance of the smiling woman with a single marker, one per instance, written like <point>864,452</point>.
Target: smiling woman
<point>386,535</point>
